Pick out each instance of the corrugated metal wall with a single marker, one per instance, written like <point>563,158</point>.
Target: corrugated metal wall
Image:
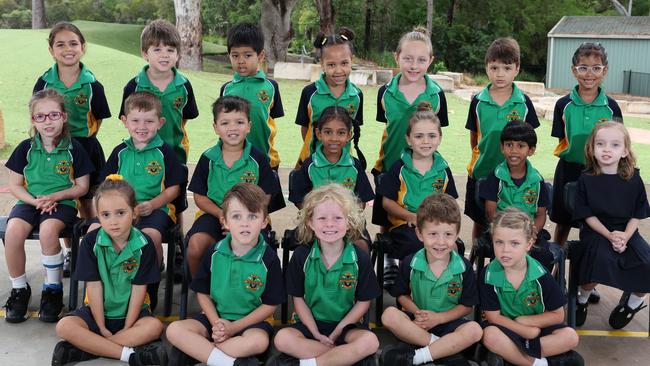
<point>622,54</point>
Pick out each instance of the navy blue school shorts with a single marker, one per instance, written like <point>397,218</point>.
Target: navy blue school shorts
<point>158,220</point>
<point>113,325</point>
<point>443,329</point>
<point>97,159</point>
<point>265,326</point>
<point>531,347</point>
<point>326,328</point>
<point>30,214</point>
<point>472,210</point>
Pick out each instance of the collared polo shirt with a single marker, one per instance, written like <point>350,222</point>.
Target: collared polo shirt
<point>408,187</point>
<point>331,294</point>
<point>240,285</point>
<point>150,170</point>
<point>264,97</point>
<point>537,293</point>
<point>85,101</point>
<point>317,171</point>
<point>394,110</point>
<point>574,119</point>
<point>526,194</point>
<point>487,119</point>
<point>315,98</point>
<point>178,105</point>
<point>213,178</point>
<point>135,264</point>
<point>48,172</point>
<point>455,286</point>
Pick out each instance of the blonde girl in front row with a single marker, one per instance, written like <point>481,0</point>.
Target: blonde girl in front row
<point>331,282</point>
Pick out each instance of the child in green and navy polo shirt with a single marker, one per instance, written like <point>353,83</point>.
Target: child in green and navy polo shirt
<point>117,262</point>
<point>420,172</point>
<point>489,112</point>
<point>331,282</point>
<point>332,88</point>
<point>515,183</point>
<point>574,118</point>
<point>246,52</point>
<point>232,160</point>
<point>85,101</point>
<point>521,302</point>
<point>238,286</point>
<point>436,287</point>
<point>47,174</point>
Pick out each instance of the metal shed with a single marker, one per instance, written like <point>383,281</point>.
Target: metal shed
<point>626,39</point>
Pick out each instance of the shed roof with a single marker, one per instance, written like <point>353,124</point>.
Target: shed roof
<point>602,27</point>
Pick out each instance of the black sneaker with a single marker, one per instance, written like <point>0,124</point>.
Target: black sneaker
<point>247,361</point>
<point>51,305</point>
<point>454,360</point>
<point>493,359</point>
<point>66,264</point>
<point>594,297</point>
<point>397,354</point>
<point>65,352</point>
<point>16,305</point>
<point>571,358</point>
<point>622,313</point>
<point>283,359</point>
<point>179,358</point>
<point>149,354</point>
<point>581,313</point>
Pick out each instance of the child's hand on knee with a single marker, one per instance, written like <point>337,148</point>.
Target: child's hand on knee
<point>426,319</point>
<point>324,340</point>
<point>105,332</point>
<point>412,219</point>
<point>144,209</point>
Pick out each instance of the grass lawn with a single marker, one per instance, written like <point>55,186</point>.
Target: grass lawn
<point>113,56</point>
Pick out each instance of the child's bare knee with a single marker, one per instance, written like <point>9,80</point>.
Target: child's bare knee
<point>368,343</point>
<point>491,336</point>
<point>64,327</point>
<point>473,331</point>
<point>390,316</point>
<point>283,339</point>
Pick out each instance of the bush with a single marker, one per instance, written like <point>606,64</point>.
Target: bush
<point>17,19</point>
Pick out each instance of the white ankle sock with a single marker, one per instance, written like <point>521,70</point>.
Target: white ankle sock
<point>433,338</point>
<point>218,358</point>
<point>422,355</point>
<point>540,362</point>
<point>53,268</point>
<point>308,362</point>
<point>635,301</point>
<point>126,353</point>
<point>19,282</point>
<point>583,295</point>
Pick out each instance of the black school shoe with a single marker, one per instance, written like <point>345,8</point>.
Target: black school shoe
<point>571,358</point>
<point>282,359</point>
<point>594,297</point>
<point>51,305</point>
<point>493,359</point>
<point>454,360</point>
<point>149,354</point>
<point>397,354</point>
<point>247,361</point>
<point>179,358</point>
<point>65,352</point>
<point>622,313</point>
<point>581,313</point>
<point>16,305</point>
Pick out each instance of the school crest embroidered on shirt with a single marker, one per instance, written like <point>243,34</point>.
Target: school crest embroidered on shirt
<point>347,281</point>
<point>178,102</point>
<point>153,167</point>
<point>425,104</point>
<point>348,182</point>
<point>129,265</point>
<point>80,99</point>
<point>253,283</point>
<point>513,115</point>
<point>263,96</point>
<point>530,196</point>
<point>453,288</point>
<point>248,177</point>
<point>351,108</point>
<point>532,299</point>
<point>438,185</point>
<point>63,167</point>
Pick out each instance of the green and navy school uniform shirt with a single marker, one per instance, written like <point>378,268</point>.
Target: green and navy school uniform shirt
<point>394,110</point>
<point>266,105</point>
<point>178,105</point>
<point>317,171</point>
<point>487,119</point>
<point>331,294</point>
<point>574,119</point>
<point>239,285</point>
<point>150,170</point>
<point>455,286</point>
<point>136,264</point>
<point>537,293</point>
<point>315,98</point>
<point>213,178</point>
<point>85,101</point>
<point>48,172</point>
<point>405,184</point>
<point>527,193</point>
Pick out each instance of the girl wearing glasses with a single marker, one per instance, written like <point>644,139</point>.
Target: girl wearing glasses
<point>575,116</point>
<point>47,174</point>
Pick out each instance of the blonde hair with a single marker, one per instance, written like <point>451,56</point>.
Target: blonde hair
<point>343,197</point>
<point>515,219</point>
<point>626,165</point>
<point>423,112</point>
<point>418,33</point>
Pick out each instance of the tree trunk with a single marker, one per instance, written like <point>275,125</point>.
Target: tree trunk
<point>38,14</point>
<point>450,12</point>
<point>429,16</point>
<point>188,23</point>
<point>276,26</point>
<point>621,9</point>
<point>368,25</point>
<point>326,14</point>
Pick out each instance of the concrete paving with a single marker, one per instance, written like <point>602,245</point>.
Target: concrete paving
<point>31,343</point>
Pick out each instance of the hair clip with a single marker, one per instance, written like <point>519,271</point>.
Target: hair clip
<point>322,43</point>
<point>344,37</point>
<point>114,177</point>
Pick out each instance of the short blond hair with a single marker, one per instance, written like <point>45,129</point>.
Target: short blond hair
<point>515,219</point>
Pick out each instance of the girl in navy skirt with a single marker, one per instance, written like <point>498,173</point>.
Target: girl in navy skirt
<point>611,199</point>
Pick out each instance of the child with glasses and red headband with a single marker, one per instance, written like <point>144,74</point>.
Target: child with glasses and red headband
<point>47,174</point>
